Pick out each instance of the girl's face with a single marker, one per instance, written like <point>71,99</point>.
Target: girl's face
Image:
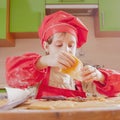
<point>62,42</point>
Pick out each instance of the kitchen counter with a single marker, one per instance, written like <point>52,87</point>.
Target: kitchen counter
<point>89,110</point>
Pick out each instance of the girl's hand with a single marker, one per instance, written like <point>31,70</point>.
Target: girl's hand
<point>90,73</point>
<point>61,60</point>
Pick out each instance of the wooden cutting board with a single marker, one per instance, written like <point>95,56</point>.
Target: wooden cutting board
<point>104,109</point>
<point>3,102</point>
<point>67,104</point>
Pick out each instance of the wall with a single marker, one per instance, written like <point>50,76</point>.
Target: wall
<point>102,51</point>
<point>97,51</point>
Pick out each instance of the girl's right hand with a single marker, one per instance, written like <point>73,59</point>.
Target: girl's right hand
<point>61,60</point>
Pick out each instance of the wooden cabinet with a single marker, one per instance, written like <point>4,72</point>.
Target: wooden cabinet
<point>107,21</point>
<point>3,12</point>
<point>25,20</point>
<point>109,15</point>
<point>6,38</point>
<point>22,18</point>
<point>71,1</point>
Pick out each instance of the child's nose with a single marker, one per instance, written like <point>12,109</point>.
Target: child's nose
<point>66,48</point>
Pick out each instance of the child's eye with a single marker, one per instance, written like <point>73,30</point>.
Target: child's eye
<point>59,45</point>
<point>71,45</point>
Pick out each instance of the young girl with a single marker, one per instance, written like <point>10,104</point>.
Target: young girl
<point>60,34</point>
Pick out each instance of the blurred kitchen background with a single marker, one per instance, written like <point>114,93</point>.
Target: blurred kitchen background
<point>99,51</point>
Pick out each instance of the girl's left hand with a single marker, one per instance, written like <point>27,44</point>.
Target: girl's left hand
<point>90,73</point>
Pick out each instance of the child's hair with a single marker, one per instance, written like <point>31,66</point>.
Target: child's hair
<point>49,41</point>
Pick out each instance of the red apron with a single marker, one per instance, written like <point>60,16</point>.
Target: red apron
<point>45,90</point>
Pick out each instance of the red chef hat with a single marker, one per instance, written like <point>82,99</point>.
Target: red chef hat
<point>63,22</point>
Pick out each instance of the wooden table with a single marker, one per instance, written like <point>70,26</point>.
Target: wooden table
<point>95,111</point>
